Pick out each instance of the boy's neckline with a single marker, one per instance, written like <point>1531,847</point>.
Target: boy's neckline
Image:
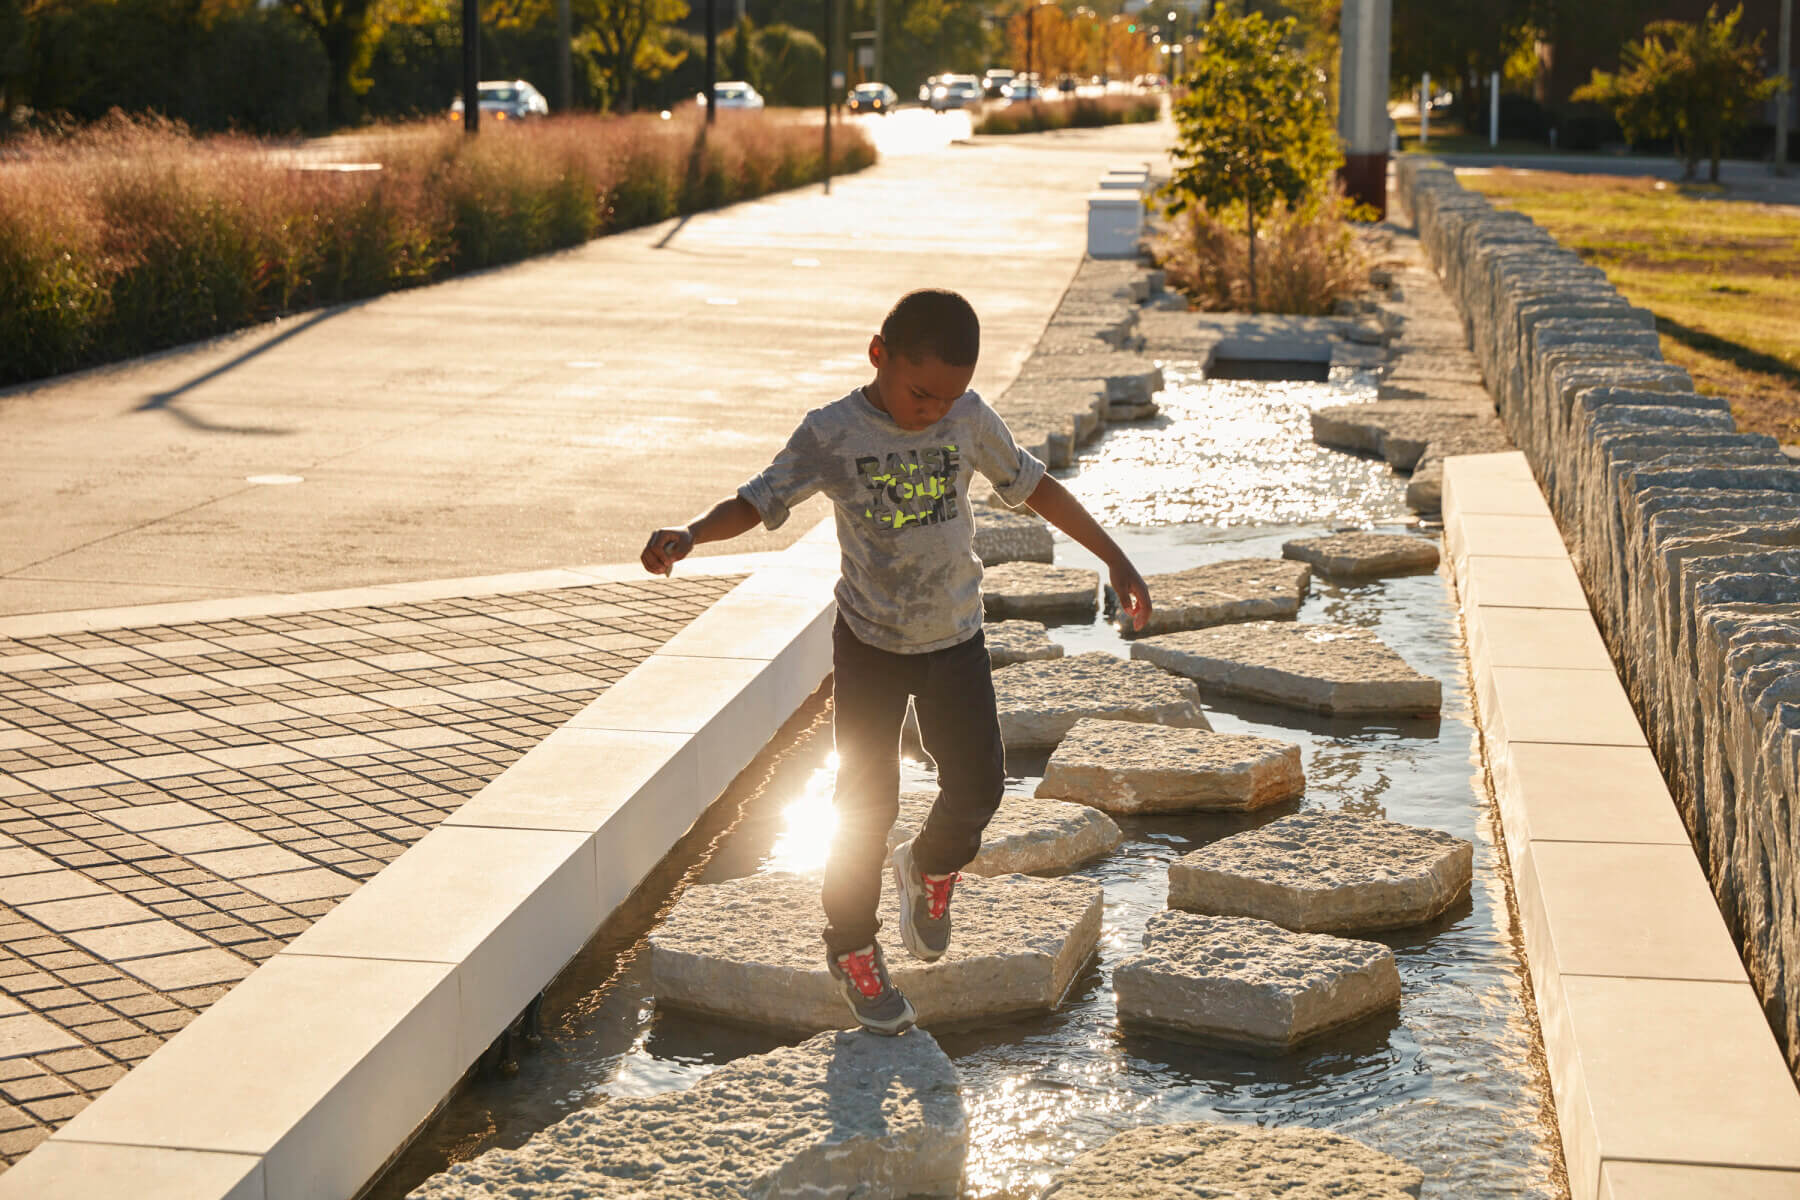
<point>861,392</point>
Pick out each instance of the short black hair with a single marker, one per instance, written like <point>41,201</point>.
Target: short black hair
<point>936,322</point>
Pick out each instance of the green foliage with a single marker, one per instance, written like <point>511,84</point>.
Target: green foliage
<point>793,65</point>
<point>1253,125</point>
<point>1694,82</point>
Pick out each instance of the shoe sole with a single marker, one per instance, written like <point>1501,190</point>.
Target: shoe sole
<point>909,934</point>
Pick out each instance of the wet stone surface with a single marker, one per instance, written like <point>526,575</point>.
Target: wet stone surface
<point>1126,767</point>
<point>1027,835</point>
<point>1245,589</point>
<point>1039,702</point>
<point>749,951</point>
<point>1247,982</point>
<point>841,1114</point>
<point>1326,872</point>
<point>1010,642</point>
<point>1363,555</point>
<point>1249,1161</point>
<point>1322,668</point>
<point>1037,590</point>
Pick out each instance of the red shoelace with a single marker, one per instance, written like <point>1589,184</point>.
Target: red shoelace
<point>938,889</point>
<point>861,969</point>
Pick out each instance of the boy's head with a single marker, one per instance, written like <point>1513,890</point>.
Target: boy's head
<point>924,356</point>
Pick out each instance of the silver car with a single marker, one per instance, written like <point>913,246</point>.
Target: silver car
<point>507,100</point>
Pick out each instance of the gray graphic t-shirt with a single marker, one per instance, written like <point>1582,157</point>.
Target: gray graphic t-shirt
<point>912,582</point>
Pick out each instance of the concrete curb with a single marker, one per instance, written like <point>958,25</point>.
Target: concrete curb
<point>301,1082</point>
<point>1667,1080</point>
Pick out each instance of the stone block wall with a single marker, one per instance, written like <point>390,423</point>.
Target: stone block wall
<point>1686,536</point>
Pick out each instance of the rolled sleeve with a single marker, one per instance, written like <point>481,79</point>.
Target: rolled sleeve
<point>1013,470</point>
<point>791,478</point>
<point>760,495</point>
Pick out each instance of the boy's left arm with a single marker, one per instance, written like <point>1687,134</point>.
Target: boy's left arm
<point>1052,501</point>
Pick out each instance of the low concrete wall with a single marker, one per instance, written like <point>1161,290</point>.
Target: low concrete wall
<point>1685,535</point>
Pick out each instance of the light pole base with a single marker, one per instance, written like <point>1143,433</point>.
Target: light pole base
<point>1365,180</point>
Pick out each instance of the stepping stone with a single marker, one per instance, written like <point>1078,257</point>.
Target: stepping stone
<point>749,951</point>
<point>1124,767</point>
<point>1326,872</point>
<point>1363,555</point>
<point>1340,669</point>
<point>1240,589</point>
<point>1244,1162</point>
<point>844,1113</point>
<point>1035,590</point>
<point>1002,536</point>
<point>1250,983</point>
<point>1027,835</point>
<point>1039,702</point>
<point>1010,642</point>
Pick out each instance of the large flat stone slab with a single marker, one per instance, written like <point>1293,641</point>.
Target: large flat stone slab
<point>749,950</point>
<point>1363,554</point>
<point>1326,872</point>
<point>1342,669</point>
<point>1239,589</point>
<point>1039,702</point>
<point>1126,767</point>
<point>1252,983</point>
<point>1027,836</point>
<point>1037,590</point>
<point>842,1114</point>
<point>1002,537</point>
<point>1010,642</point>
<point>1242,1162</point>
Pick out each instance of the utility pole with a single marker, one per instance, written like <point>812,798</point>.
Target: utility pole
<point>829,5</point>
<point>1494,109</point>
<point>712,58</point>
<point>471,39</point>
<point>1784,103</point>
<point>565,70</point>
<point>875,67</point>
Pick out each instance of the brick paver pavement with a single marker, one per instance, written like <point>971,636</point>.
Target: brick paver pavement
<point>178,802</point>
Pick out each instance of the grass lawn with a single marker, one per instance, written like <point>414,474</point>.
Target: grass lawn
<point>1722,276</point>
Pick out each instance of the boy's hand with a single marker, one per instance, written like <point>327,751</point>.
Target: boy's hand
<point>665,548</point>
<point>1133,593</point>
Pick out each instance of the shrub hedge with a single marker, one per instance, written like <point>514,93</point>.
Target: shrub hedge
<point>1081,112</point>
<point>133,235</point>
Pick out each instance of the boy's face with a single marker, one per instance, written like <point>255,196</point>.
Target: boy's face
<point>916,393</point>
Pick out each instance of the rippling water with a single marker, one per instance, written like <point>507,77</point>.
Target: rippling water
<point>1453,1083</point>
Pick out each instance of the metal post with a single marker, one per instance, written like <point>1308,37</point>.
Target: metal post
<point>712,58</point>
<point>876,66</point>
<point>1425,109</point>
<point>1030,21</point>
<point>1494,109</point>
<point>1784,103</point>
<point>829,5</point>
<point>471,39</point>
<point>565,68</point>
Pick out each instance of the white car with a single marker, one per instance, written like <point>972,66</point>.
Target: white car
<point>956,91</point>
<point>733,93</point>
<point>506,100</point>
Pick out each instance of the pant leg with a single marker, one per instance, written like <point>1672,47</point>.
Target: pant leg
<point>869,692</point>
<point>961,730</point>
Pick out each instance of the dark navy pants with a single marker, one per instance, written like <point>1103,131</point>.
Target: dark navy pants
<point>954,691</point>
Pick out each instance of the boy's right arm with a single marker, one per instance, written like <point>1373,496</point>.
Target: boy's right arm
<point>724,520</point>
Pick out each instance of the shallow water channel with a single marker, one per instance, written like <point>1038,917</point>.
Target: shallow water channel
<point>1454,1083</point>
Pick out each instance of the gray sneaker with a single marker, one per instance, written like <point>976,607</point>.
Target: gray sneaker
<point>924,906</point>
<point>862,977</point>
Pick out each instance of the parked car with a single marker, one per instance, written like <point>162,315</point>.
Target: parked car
<point>872,98</point>
<point>1022,90</point>
<point>506,100</point>
<point>955,91</point>
<point>732,93</point>
<point>993,84</point>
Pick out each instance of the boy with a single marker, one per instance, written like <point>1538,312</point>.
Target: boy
<point>895,456</point>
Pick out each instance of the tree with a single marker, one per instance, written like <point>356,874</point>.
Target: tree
<point>347,31</point>
<point>623,41</point>
<point>1254,125</point>
<point>1693,82</point>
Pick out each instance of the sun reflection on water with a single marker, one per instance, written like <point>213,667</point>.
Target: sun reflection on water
<point>1024,1127</point>
<point>807,824</point>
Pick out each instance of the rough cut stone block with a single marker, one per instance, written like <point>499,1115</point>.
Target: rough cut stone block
<point>1251,983</point>
<point>1363,555</point>
<point>1125,767</point>
<point>749,950</point>
<point>1002,537</point>
<point>1039,702</point>
<point>1247,1161</point>
<point>1034,590</point>
<point>1323,668</point>
<point>1240,589</point>
<point>1326,872</point>
<point>1010,642</point>
<point>842,1114</point>
<point>1027,836</point>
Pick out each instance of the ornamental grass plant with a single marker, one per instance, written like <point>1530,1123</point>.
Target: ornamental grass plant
<point>1081,112</point>
<point>132,235</point>
<point>1308,256</point>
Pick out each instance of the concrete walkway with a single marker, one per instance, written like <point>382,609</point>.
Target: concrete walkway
<point>545,413</point>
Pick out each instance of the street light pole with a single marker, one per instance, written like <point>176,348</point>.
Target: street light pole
<point>471,65</point>
<point>565,69</point>
<point>1785,98</point>
<point>712,58</point>
<point>829,5</point>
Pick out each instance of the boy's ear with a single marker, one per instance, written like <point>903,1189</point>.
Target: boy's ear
<point>877,351</point>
